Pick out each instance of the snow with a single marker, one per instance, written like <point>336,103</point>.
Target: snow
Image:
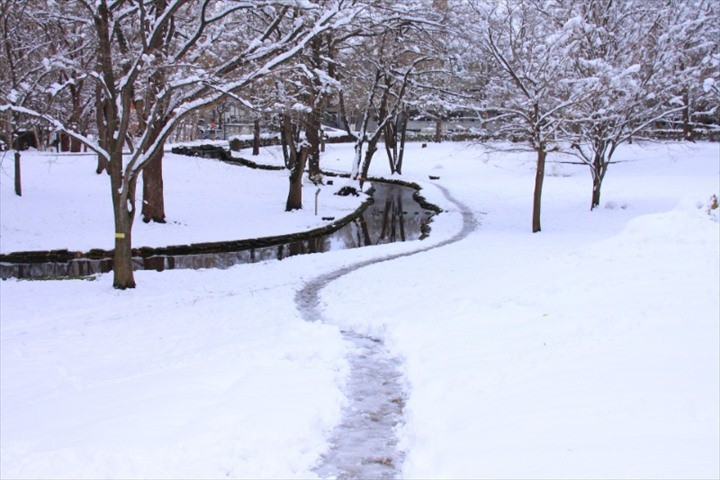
<point>589,350</point>
<point>81,201</point>
<point>708,84</point>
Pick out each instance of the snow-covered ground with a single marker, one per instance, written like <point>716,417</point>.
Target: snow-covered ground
<point>589,350</point>
<point>65,204</point>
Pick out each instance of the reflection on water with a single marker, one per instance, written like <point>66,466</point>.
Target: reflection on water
<point>395,216</point>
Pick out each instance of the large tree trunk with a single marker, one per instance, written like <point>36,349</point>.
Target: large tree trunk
<point>312,134</point>
<point>153,205</point>
<point>438,130</point>
<point>295,161</point>
<point>294,199</point>
<point>18,179</point>
<point>537,195</point>
<point>123,276</point>
<point>112,129</point>
<point>124,212</point>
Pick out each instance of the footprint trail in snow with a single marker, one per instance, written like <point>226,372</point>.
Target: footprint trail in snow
<point>364,444</point>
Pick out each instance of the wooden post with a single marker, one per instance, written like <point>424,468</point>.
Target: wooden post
<point>18,181</point>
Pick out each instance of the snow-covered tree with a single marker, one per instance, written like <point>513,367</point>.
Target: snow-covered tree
<point>302,94</point>
<point>379,69</point>
<point>23,66</point>
<point>441,91</point>
<point>158,51</point>
<point>626,56</point>
<point>527,84</point>
<point>693,56</point>
<point>309,89</point>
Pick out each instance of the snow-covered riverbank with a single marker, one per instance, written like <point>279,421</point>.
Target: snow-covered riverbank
<point>588,350</point>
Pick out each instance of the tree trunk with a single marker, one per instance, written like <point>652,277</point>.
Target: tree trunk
<point>112,116</point>
<point>288,141</point>
<point>256,137</point>
<point>18,179</point>
<point>438,130</point>
<point>38,144</point>
<point>101,165</point>
<point>401,151</point>
<point>294,199</point>
<point>195,126</point>
<point>124,210</point>
<point>357,157</point>
<point>343,115</point>
<point>688,131</point>
<point>390,136</point>
<point>153,205</point>
<point>537,195</point>
<point>123,276</point>
<point>371,149</point>
<point>312,134</point>
<point>597,184</point>
<point>599,169</point>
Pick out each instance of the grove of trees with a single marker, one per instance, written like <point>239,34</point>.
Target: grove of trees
<point>579,77</point>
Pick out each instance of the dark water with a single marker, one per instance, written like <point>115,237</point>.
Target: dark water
<point>395,216</point>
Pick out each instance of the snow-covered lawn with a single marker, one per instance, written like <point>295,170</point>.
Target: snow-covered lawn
<point>589,350</point>
<point>65,204</point>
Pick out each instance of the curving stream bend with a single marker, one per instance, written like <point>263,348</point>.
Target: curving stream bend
<point>364,444</point>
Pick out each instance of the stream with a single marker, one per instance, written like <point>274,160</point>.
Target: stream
<point>394,216</point>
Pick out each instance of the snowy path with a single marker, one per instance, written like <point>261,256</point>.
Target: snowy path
<point>364,443</point>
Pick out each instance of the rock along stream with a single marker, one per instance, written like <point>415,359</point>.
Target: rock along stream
<point>364,444</point>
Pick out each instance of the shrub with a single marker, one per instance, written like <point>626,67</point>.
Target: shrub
<point>236,144</point>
